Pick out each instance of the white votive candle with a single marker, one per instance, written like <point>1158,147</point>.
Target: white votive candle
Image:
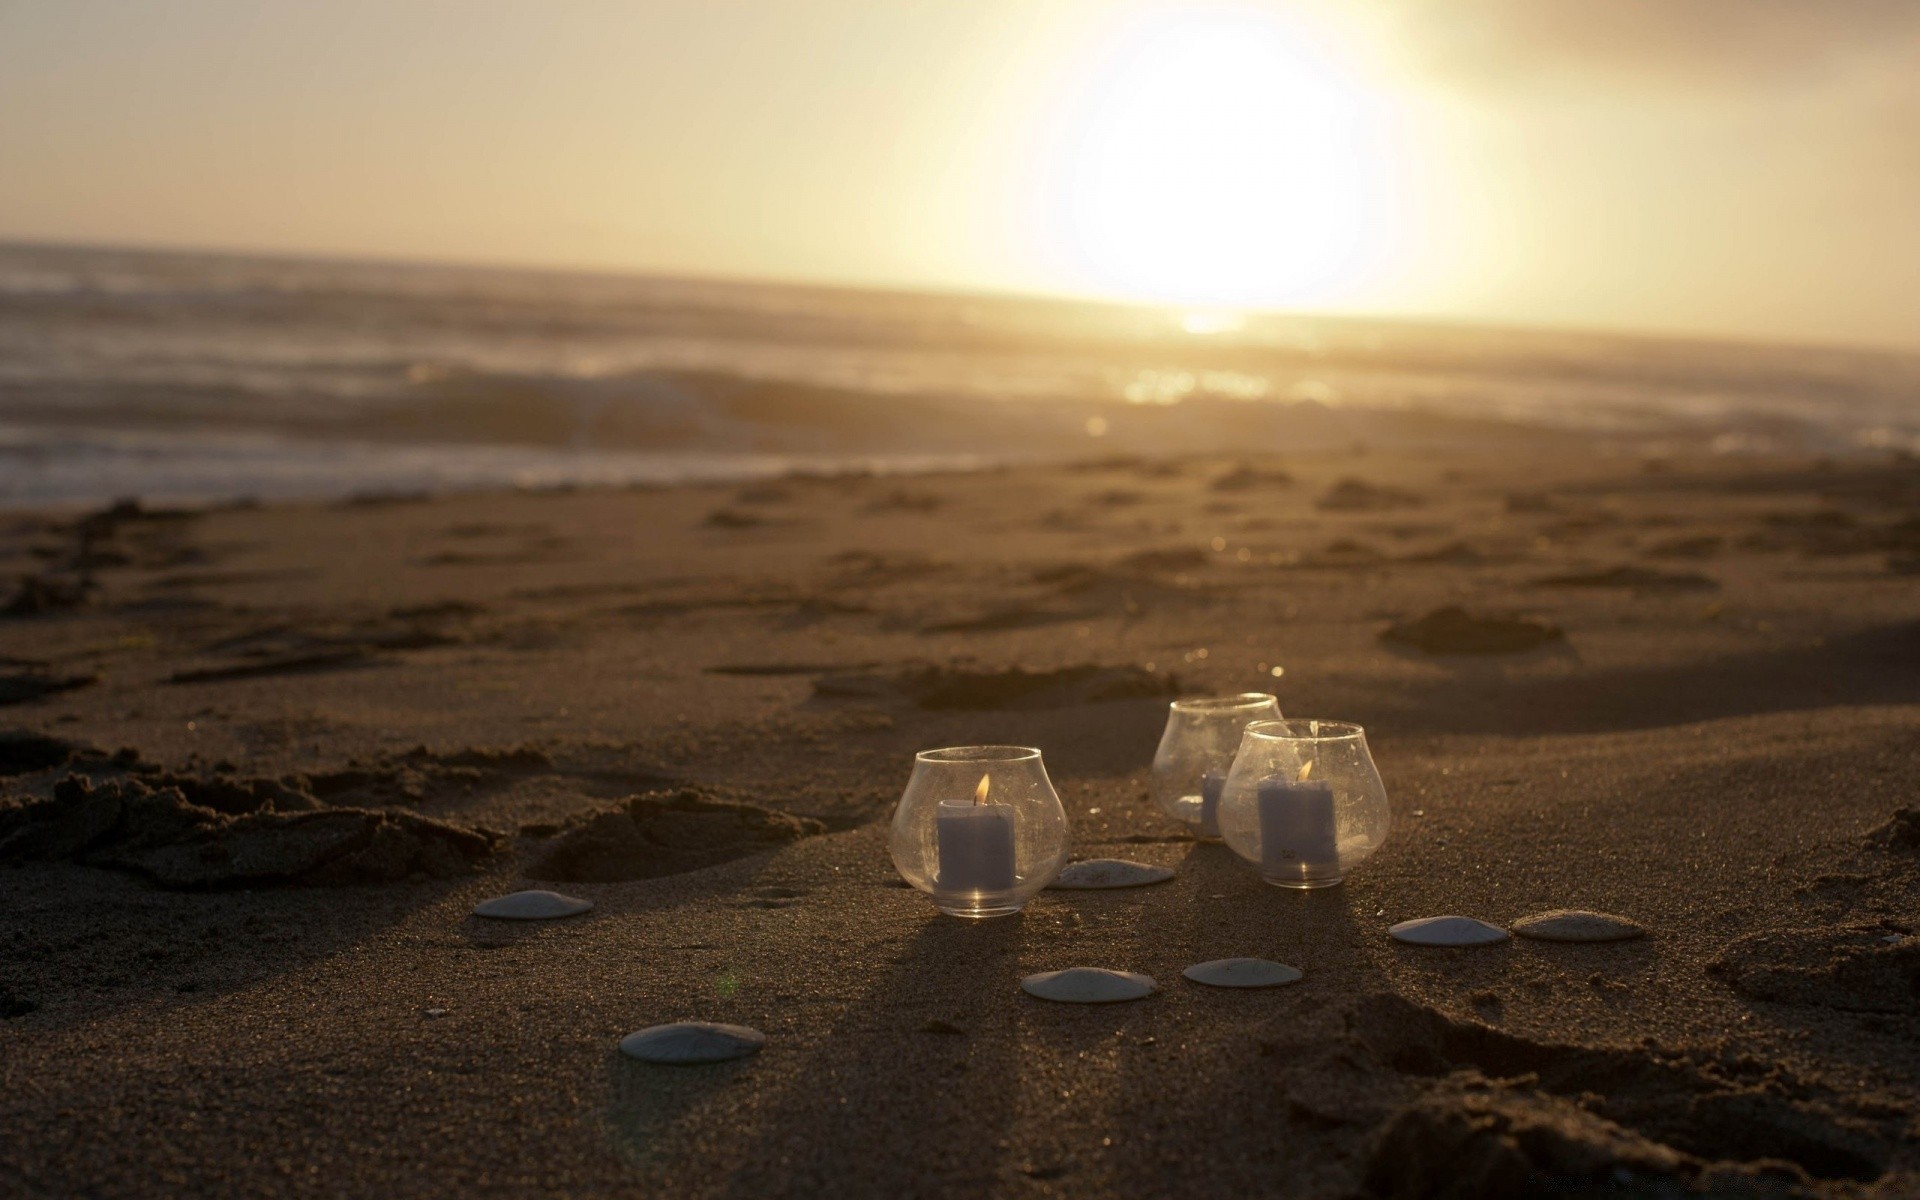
<point>1296,825</point>
<point>1211,785</point>
<point>975,847</point>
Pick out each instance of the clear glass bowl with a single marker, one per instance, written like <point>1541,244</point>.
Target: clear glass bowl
<point>1304,802</point>
<point>979,828</point>
<point>1196,750</point>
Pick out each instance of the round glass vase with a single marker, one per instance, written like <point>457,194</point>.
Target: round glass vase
<point>1304,802</point>
<point>979,828</point>
<point>1196,751</point>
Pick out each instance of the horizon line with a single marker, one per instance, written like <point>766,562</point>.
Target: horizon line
<point>1410,320</point>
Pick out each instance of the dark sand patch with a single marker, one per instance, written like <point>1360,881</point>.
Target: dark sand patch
<point>1341,553</point>
<point>289,664</point>
<point>163,836</point>
<point>781,669</point>
<point>1531,503</point>
<point>22,687</point>
<point>1458,554</point>
<point>1357,495</point>
<point>902,500</point>
<point>1639,579</point>
<point>763,493</point>
<point>868,568</point>
<point>203,579</point>
<point>1014,615</point>
<point>733,518</point>
<point>439,610</point>
<point>1690,546</point>
<point>23,751</point>
<point>1454,630</point>
<point>960,688</point>
<point>1171,560</point>
<point>38,595</point>
<point>293,650</point>
<point>1245,477</point>
<point>665,833</point>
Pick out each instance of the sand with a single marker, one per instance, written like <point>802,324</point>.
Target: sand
<point>239,959</point>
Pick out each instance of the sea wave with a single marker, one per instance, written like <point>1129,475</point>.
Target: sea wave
<point>550,366</point>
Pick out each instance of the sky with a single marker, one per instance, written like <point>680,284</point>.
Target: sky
<point>1741,167</point>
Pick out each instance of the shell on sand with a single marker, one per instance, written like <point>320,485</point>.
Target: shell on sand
<point>1110,873</point>
<point>1578,925</point>
<point>531,906</point>
<point>685,1043</point>
<point>1088,985</point>
<point>1448,931</point>
<point>1243,973</point>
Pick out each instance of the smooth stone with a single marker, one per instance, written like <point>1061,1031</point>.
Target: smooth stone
<point>1578,925</point>
<point>1110,873</point>
<point>1243,973</point>
<point>531,906</point>
<point>1448,931</point>
<point>1088,985</point>
<point>685,1043</point>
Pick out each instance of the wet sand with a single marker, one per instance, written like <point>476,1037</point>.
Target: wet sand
<point>270,757</point>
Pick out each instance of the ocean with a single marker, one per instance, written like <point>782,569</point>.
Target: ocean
<point>212,377</point>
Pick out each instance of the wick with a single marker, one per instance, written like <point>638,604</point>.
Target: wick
<point>980,793</point>
<point>1306,769</point>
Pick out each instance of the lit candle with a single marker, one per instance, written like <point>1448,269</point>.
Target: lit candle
<point>1211,785</point>
<point>1297,828</point>
<point>975,844</point>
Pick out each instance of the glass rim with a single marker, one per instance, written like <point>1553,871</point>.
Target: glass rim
<point>978,754</point>
<point>1231,703</point>
<point>1306,729</point>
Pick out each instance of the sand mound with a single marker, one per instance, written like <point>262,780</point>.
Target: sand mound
<point>665,833</point>
<point>950,688</point>
<point>1453,630</point>
<point>1864,956</point>
<point>1487,1143</point>
<point>176,843</point>
<point>1722,1122</point>
<point>1865,967</point>
<point>1901,832</point>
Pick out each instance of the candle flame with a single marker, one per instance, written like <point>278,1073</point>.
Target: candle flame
<point>1306,769</point>
<point>980,793</point>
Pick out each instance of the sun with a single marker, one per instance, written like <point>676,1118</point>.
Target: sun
<point>1217,156</point>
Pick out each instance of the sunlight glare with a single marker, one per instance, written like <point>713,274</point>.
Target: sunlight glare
<point>1216,156</point>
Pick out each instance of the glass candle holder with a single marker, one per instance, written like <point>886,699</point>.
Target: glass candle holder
<point>979,828</point>
<point>1304,802</point>
<point>1196,751</point>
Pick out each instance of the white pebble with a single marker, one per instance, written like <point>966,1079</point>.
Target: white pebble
<point>531,906</point>
<point>1577,925</point>
<point>685,1043</point>
<point>1243,973</point>
<point>1448,931</point>
<point>1088,985</point>
<point>1110,873</point>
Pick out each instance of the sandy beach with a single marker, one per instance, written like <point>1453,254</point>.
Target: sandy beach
<point>267,758</point>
